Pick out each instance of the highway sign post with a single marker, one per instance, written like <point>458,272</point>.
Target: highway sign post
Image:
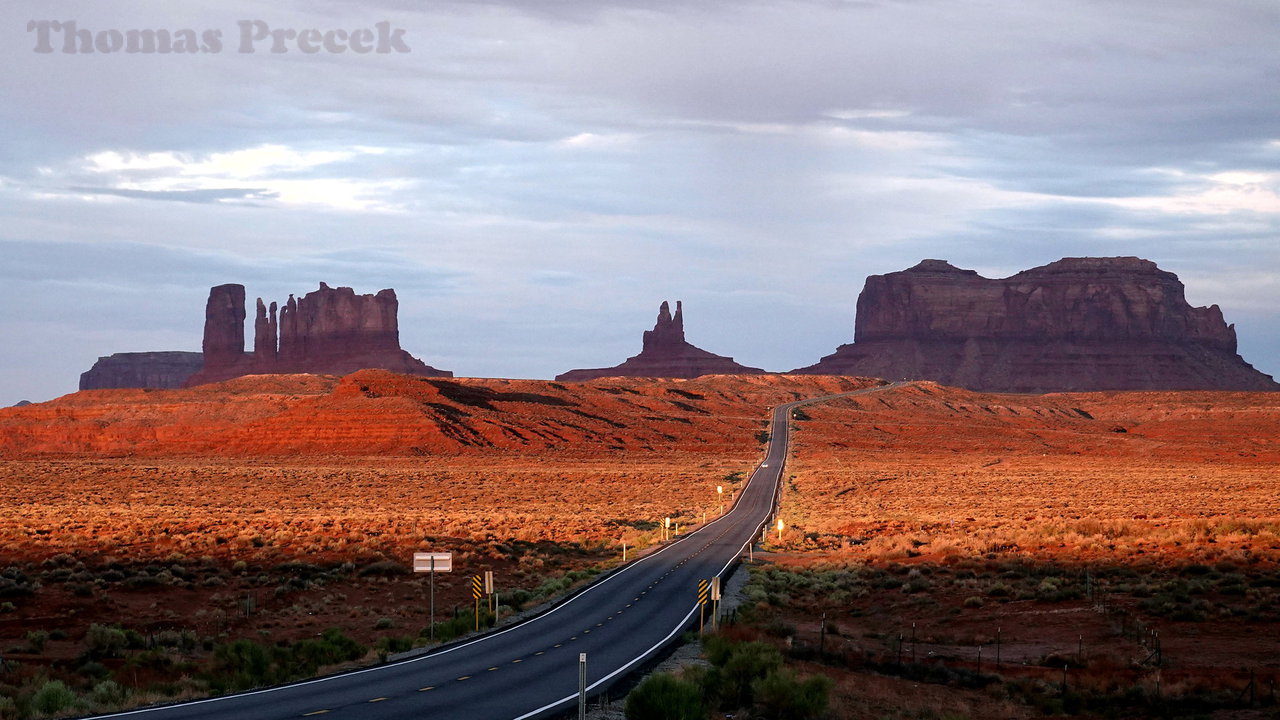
<point>582,686</point>
<point>715,602</point>
<point>704,592</point>
<point>477,588</point>
<point>492,593</point>
<point>433,563</point>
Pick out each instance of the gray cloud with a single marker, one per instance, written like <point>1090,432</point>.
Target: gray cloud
<point>536,176</point>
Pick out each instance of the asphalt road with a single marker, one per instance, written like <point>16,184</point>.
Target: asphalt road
<point>530,670</point>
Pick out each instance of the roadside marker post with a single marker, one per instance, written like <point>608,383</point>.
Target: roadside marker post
<point>582,686</point>
<point>488,590</point>
<point>704,593</point>
<point>433,563</point>
<point>477,588</point>
<point>715,602</point>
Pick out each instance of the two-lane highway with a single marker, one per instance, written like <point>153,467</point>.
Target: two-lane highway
<point>530,670</point>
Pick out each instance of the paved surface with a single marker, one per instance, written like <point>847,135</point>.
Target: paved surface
<point>530,670</point>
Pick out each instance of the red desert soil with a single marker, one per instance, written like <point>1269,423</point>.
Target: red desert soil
<point>963,513</point>
<point>941,471</point>
<point>167,509</point>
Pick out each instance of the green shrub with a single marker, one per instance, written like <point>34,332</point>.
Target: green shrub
<point>780,696</point>
<point>107,693</point>
<point>105,641</point>
<point>744,664</point>
<point>665,697</point>
<point>36,640</point>
<point>53,697</point>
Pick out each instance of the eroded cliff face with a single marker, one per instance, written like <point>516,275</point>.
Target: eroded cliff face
<point>1075,324</point>
<point>329,331</point>
<point>164,370</point>
<point>665,353</point>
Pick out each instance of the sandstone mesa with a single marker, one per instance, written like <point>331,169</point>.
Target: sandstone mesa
<point>1076,324</point>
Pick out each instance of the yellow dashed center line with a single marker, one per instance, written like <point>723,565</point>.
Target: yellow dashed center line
<point>317,712</point>
<point>464,677</point>
<point>492,669</point>
<point>377,699</point>
<point>429,687</point>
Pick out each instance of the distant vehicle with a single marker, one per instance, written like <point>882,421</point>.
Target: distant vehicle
<point>764,464</point>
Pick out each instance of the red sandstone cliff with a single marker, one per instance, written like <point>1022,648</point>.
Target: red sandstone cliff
<point>1075,324</point>
<point>665,353</point>
<point>329,331</point>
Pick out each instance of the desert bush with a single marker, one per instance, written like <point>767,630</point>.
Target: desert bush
<point>36,640</point>
<point>665,697</point>
<point>383,568</point>
<point>105,641</point>
<point>53,697</point>
<point>780,696</point>
<point>741,664</point>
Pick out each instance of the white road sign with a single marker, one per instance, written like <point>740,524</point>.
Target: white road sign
<point>443,562</point>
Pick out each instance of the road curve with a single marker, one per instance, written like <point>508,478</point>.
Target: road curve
<point>530,670</point>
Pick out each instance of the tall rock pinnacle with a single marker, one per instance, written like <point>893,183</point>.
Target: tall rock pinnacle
<point>665,353</point>
<point>330,331</point>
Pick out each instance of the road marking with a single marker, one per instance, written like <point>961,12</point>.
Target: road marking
<point>517,660</point>
<point>542,651</point>
<point>377,699</point>
<point>317,712</point>
<point>464,677</point>
<point>558,645</point>
<point>429,687</point>
<point>492,669</point>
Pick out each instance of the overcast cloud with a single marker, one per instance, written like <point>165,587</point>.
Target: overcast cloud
<point>535,177</point>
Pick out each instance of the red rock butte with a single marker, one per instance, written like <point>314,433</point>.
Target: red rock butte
<point>329,331</point>
<point>665,353</point>
<point>1076,324</point>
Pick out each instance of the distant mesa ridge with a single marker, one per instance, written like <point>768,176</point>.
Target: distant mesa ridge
<point>665,353</point>
<point>328,331</point>
<point>164,370</point>
<point>1116,323</point>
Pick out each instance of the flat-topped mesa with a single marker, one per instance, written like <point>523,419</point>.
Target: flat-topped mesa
<point>328,331</point>
<point>1075,324</point>
<point>166,369</point>
<point>665,353</point>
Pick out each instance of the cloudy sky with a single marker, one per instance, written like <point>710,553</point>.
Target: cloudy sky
<point>535,176</point>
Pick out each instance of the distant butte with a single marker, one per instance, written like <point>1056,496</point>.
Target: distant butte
<point>329,331</point>
<point>1076,324</point>
<point>666,354</point>
<point>164,369</point>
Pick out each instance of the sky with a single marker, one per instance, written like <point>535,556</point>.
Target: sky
<point>534,177</point>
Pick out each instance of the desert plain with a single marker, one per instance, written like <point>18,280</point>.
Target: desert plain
<point>946,553</point>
